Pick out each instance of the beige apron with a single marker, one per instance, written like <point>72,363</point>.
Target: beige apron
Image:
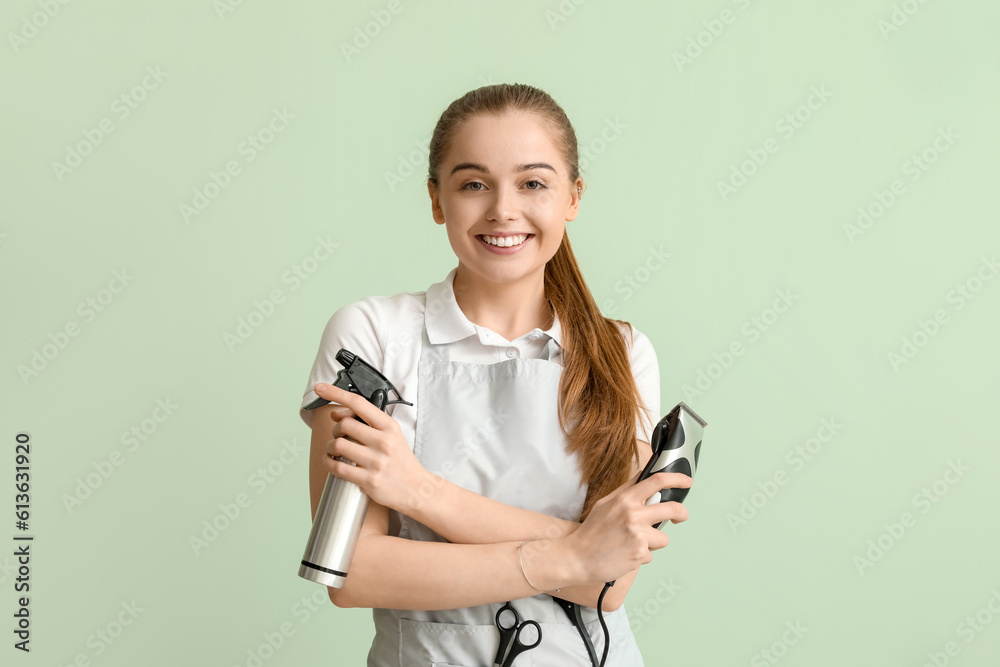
<point>494,429</point>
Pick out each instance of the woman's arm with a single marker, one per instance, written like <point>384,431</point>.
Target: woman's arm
<point>450,575</point>
<point>449,514</point>
<point>466,574</point>
<point>396,573</point>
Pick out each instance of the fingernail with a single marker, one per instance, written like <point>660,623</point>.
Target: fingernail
<point>322,387</point>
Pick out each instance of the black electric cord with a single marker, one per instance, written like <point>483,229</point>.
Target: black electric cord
<point>572,610</point>
<point>604,626</point>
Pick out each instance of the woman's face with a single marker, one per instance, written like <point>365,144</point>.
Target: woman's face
<point>503,176</point>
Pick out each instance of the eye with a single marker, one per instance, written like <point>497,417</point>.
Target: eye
<point>541,186</point>
<point>466,186</point>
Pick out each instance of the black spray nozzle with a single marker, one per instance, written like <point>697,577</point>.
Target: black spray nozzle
<point>360,377</point>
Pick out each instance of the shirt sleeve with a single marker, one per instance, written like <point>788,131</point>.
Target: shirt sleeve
<point>646,370</point>
<point>355,327</point>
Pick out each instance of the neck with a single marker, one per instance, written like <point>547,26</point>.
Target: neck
<point>511,309</point>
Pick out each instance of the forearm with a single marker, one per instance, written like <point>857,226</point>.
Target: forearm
<point>395,573</point>
<point>446,508</point>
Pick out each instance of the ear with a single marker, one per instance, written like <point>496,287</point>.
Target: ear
<point>436,212</point>
<point>574,204</point>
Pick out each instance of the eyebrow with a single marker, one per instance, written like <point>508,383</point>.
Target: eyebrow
<point>521,167</point>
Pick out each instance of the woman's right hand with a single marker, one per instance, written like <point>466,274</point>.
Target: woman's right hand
<point>385,467</point>
<point>618,535</point>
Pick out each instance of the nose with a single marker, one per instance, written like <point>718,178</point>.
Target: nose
<point>503,206</point>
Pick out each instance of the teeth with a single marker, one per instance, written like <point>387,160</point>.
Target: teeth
<point>505,241</point>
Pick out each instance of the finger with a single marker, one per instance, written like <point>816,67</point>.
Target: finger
<point>341,412</point>
<point>359,404</point>
<point>351,451</point>
<point>657,539</point>
<point>345,471</point>
<point>660,512</point>
<point>358,432</point>
<point>663,480</point>
<point>682,513</point>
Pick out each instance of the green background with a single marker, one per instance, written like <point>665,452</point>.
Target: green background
<point>728,586</point>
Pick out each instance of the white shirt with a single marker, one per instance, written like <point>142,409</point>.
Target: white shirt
<point>386,331</point>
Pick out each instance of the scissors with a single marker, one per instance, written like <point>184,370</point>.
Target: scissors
<point>511,644</point>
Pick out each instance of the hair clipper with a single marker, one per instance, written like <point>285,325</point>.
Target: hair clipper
<point>676,446</point>
<point>342,507</point>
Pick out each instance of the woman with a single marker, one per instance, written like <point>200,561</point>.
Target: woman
<point>531,419</point>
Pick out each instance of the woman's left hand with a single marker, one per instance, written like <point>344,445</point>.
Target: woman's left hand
<point>386,470</point>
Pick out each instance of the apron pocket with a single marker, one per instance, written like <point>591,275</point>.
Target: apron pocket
<point>430,644</point>
<point>564,646</point>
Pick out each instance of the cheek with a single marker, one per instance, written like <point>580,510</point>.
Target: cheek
<point>553,237</point>
<point>452,235</point>
<point>542,201</point>
<point>546,212</point>
<point>464,211</point>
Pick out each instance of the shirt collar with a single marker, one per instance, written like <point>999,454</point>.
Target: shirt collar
<point>445,321</point>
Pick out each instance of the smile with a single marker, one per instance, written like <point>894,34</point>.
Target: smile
<point>504,245</point>
<point>505,241</point>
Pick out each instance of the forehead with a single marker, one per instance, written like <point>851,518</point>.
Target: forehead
<point>511,138</point>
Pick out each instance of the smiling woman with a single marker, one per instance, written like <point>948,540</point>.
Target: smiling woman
<point>490,197</point>
<point>512,476</point>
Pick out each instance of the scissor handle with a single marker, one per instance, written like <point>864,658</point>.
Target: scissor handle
<point>519,645</point>
<point>517,618</point>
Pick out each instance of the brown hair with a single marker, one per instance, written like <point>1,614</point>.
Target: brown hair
<point>597,391</point>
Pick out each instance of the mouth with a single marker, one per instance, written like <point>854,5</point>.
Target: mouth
<point>505,240</point>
